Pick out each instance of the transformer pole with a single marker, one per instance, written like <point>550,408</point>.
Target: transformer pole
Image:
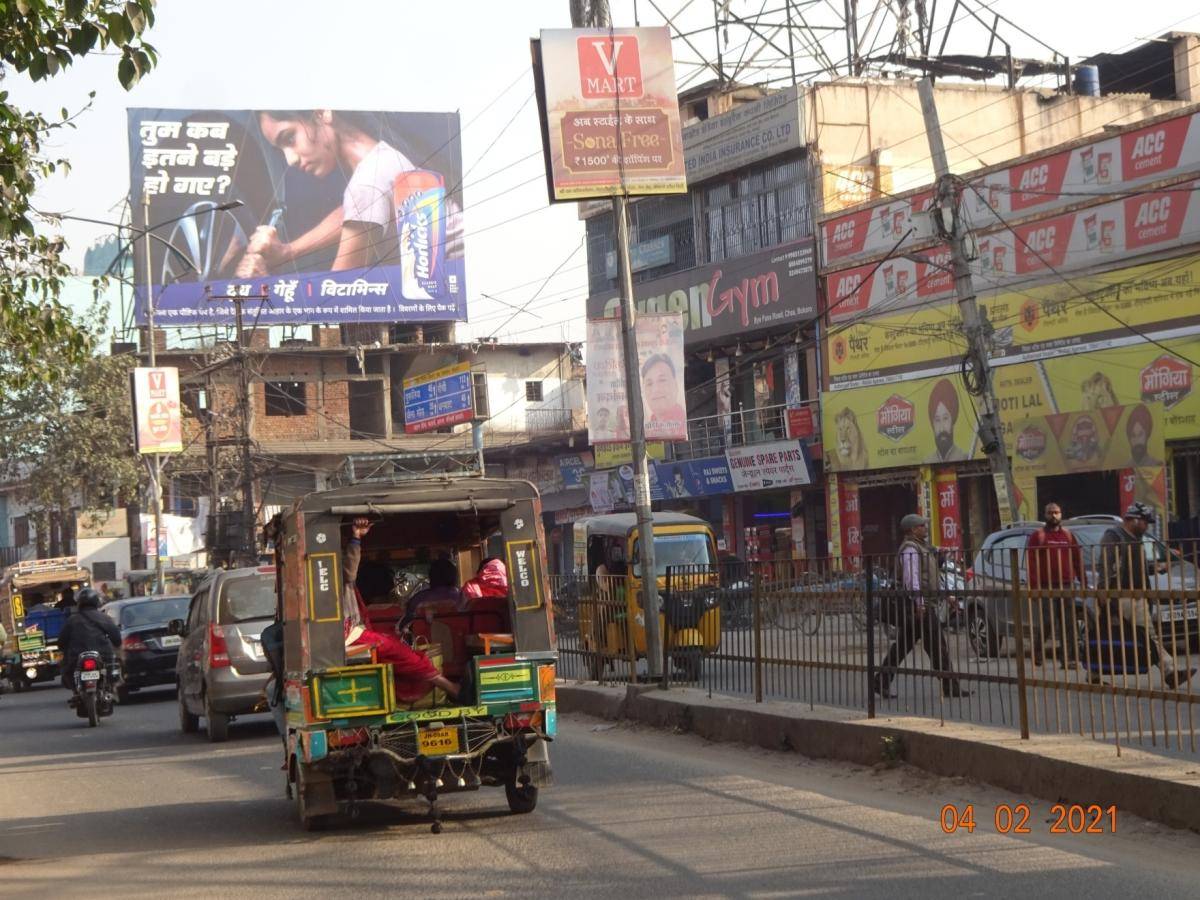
<point>949,223</point>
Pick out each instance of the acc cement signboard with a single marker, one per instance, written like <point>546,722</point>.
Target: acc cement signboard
<point>746,134</point>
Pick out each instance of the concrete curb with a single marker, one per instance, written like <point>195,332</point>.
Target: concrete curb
<point>1066,769</point>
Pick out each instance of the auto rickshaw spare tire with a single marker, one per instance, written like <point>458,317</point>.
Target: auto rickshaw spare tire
<point>522,798</point>
<point>216,723</point>
<point>189,723</point>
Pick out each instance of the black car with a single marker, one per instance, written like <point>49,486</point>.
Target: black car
<point>148,653</point>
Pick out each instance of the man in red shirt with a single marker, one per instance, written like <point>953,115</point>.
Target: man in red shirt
<point>1055,564</point>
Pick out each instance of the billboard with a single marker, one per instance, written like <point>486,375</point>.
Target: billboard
<point>1095,237</point>
<point>928,421</point>
<point>609,113</point>
<point>1159,299</point>
<point>683,479</point>
<point>345,216</point>
<point>1112,437</point>
<point>1165,149</point>
<point>609,456</point>
<point>439,398</point>
<point>660,368</point>
<point>157,417</point>
<point>766,290</point>
<point>770,465</point>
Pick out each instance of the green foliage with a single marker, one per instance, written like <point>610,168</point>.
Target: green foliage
<point>71,439</point>
<point>39,38</point>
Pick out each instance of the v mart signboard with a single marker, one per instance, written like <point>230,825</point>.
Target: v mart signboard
<point>1166,149</point>
<point>1160,299</point>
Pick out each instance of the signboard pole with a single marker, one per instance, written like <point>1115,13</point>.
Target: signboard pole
<point>637,440</point>
<point>155,461</point>
<point>598,16</point>
<point>991,435</point>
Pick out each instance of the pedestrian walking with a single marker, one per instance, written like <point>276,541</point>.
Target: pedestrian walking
<point>1055,562</point>
<point>1126,572</point>
<point>911,611</point>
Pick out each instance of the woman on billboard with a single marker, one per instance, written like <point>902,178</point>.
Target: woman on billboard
<point>364,227</point>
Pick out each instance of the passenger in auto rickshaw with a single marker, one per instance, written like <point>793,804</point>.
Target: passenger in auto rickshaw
<point>414,674</point>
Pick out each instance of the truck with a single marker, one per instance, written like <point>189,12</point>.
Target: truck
<point>36,596</point>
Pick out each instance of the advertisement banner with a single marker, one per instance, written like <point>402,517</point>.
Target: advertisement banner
<point>314,216</point>
<point>1167,149</point>
<point>1159,299</point>
<point>600,485</point>
<point>439,398</point>
<point>770,465</point>
<point>610,117</point>
<point>572,468</point>
<point>748,133</point>
<point>929,421</point>
<point>660,366</point>
<point>850,522</point>
<point>949,519</point>
<point>609,456</point>
<point>157,416</point>
<point>693,478</point>
<point>734,297</point>
<point>1068,243</point>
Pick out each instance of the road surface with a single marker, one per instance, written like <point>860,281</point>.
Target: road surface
<point>137,809</point>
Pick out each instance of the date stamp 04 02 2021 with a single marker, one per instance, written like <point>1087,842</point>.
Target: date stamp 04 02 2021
<point>1065,819</point>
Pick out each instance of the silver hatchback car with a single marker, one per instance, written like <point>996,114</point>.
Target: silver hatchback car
<point>221,670</point>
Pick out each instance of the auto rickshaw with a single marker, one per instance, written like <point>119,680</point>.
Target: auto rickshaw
<point>348,739</point>
<point>690,620</point>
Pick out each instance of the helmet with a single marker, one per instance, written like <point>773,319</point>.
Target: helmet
<point>87,598</point>
<point>1140,511</point>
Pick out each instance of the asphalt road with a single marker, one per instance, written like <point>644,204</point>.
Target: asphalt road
<point>137,809</point>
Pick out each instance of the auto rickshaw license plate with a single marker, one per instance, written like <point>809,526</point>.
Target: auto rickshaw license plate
<point>437,741</point>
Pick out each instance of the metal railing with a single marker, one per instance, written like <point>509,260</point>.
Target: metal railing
<point>711,435</point>
<point>1103,658</point>
<point>542,420</point>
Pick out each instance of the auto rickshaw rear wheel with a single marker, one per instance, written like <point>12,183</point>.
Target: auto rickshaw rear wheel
<point>522,796</point>
<point>308,821</point>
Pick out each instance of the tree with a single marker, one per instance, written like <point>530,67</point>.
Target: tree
<point>70,441</point>
<point>39,38</point>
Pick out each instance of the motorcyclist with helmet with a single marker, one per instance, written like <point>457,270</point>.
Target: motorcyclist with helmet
<point>86,629</point>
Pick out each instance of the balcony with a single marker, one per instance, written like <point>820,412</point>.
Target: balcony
<point>543,420</point>
<point>713,435</point>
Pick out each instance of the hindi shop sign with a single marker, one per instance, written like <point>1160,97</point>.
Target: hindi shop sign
<point>438,398</point>
<point>771,465</point>
<point>609,112</point>
<point>157,419</point>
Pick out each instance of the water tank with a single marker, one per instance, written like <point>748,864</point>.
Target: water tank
<point>1087,81</point>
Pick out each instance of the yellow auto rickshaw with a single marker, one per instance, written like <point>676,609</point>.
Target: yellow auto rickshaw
<point>685,558</point>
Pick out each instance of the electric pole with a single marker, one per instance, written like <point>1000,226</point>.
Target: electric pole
<point>249,549</point>
<point>154,463</point>
<point>595,14</point>
<point>948,220</point>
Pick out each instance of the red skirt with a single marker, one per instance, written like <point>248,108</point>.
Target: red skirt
<point>412,669</point>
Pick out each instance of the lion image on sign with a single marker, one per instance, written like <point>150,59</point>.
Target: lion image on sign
<point>851,448</point>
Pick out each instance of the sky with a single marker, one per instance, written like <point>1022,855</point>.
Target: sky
<point>465,55</point>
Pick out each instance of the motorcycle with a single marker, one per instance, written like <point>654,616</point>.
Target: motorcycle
<point>93,697</point>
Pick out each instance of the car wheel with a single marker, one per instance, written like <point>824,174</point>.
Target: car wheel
<point>189,723</point>
<point>981,635</point>
<point>216,723</point>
